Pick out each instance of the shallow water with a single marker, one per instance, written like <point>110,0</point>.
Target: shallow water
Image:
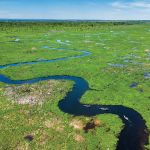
<point>17,40</point>
<point>116,65</point>
<point>133,84</point>
<point>147,75</point>
<point>63,43</point>
<point>45,47</point>
<point>126,61</point>
<point>84,53</point>
<point>52,48</point>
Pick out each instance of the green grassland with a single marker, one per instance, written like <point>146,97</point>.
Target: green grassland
<point>120,56</point>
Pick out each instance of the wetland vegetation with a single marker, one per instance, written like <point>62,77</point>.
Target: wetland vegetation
<point>117,70</point>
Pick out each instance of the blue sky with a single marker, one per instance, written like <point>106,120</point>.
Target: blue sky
<point>76,9</point>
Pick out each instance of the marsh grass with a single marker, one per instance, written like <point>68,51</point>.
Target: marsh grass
<point>45,124</point>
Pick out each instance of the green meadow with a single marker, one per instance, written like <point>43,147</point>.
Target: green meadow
<point>118,71</point>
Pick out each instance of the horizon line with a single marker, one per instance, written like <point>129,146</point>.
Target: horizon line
<point>75,19</point>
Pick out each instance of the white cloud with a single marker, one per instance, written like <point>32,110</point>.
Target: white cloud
<point>136,9</point>
<point>135,4</point>
<point>119,5</point>
<point>140,4</point>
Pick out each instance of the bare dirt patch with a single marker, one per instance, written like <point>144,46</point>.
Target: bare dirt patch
<point>147,50</point>
<point>55,123</point>
<point>30,93</point>
<point>52,123</point>
<point>77,124</point>
<point>22,147</point>
<point>33,48</point>
<point>79,138</point>
<point>86,125</point>
<point>43,139</point>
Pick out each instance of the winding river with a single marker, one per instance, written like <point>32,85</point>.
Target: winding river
<point>133,136</point>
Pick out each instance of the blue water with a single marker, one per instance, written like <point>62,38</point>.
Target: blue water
<point>84,53</point>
